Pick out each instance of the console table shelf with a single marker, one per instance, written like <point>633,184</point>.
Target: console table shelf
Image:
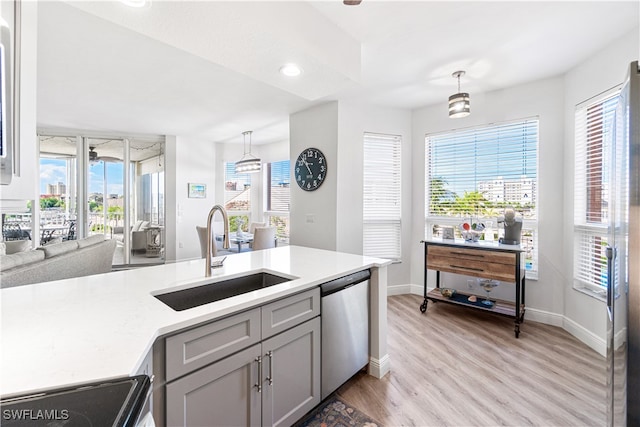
<point>483,260</point>
<point>501,307</point>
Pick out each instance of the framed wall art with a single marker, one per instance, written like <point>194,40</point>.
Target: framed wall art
<point>197,191</point>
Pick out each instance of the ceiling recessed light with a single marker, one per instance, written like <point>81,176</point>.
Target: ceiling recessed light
<point>291,70</point>
<point>136,3</point>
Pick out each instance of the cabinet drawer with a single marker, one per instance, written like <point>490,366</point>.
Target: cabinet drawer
<point>200,346</point>
<point>472,262</point>
<point>283,314</point>
<point>473,254</point>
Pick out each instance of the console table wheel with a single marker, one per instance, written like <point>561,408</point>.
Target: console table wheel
<point>423,306</point>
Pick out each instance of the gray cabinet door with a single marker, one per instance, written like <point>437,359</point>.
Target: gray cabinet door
<point>222,394</point>
<point>292,361</point>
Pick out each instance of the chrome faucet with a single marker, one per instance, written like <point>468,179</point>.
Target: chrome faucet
<point>225,243</point>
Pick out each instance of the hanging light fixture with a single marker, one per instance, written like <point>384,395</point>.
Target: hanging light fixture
<point>459,102</point>
<point>248,163</point>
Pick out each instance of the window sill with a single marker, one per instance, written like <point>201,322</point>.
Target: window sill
<point>599,295</point>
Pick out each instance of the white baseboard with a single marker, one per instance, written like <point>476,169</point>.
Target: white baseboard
<point>535,315</point>
<point>620,338</point>
<point>545,317</point>
<point>405,289</point>
<point>586,336</point>
<point>379,367</point>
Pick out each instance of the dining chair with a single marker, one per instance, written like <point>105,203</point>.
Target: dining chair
<point>12,231</point>
<point>202,236</point>
<point>215,251</point>
<point>264,238</point>
<point>254,225</point>
<point>46,235</point>
<point>252,229</point>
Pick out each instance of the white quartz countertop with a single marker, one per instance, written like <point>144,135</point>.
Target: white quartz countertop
<point>100,327</point>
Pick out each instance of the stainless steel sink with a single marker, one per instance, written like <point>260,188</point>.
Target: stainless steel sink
<point>216,291</point>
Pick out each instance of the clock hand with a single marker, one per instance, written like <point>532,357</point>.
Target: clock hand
<point>307,165</point>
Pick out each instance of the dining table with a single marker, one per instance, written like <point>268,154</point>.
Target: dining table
<point>245,238</point>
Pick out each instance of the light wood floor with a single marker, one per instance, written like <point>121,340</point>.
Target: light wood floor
<point>458,367</point>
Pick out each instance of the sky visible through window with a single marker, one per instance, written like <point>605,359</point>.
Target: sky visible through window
<point>53,171</point>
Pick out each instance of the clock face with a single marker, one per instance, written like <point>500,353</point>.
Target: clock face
<point>311,169</point>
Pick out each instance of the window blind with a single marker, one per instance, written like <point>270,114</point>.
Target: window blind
<point>473,172</point>
<point>237,189</point>
<point>278,192</point>
<point>592,195</point>
<point>381,194</point>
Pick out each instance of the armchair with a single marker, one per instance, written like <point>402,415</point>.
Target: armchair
<point>138,235</point>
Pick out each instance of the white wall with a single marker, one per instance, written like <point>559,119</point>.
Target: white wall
<point>313,219</point>
<point>337,129</point>
<point>585,315</point>
<point>189,160</point>
<point>26,186</point>
<point>544,99</point>
<point>353,121</point>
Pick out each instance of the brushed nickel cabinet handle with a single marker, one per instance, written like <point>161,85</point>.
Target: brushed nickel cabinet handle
<point>270,377</point>
<point>259,384</point>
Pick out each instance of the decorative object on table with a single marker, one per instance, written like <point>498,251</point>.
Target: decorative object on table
<point>488,231</point>
<point>488,285</point>
<point>311,169</point>
<point>248,163</point>
<point>447,233</point>
<point>334,413</point>
<point>471,232</point>
<point>472,298</point>
<point>240,223</point>
<point>197,191</point>
<point>447,292</point>
<point>512,227</point>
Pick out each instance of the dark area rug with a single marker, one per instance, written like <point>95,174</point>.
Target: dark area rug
<point>333,412</point>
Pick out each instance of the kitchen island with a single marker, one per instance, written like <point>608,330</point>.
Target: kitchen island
<point>98,327</point>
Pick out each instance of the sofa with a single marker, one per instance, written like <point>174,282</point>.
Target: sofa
<point>56,261</point>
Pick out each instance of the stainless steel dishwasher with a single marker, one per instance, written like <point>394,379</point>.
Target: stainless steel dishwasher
<point>345,329</point>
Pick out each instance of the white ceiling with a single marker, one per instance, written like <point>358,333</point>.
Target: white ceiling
<point>209,69</point>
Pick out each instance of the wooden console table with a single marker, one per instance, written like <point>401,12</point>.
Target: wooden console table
<point>483,260</point>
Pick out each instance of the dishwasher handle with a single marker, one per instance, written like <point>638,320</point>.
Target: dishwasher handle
<point>337,285</point>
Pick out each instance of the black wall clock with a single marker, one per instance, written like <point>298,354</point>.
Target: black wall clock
<point>311,169</point>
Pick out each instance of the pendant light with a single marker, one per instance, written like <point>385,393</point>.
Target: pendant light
<point>459,102</point>
<point>248,163</point>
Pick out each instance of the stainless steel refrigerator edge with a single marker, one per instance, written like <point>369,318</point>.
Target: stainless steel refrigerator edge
<point>623,296</point>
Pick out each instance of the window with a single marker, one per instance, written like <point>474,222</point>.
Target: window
<point>474,174</point>
<point>278,198</point>
<point>237,197</point>
<point>592,193</point>
<point>382,208</point>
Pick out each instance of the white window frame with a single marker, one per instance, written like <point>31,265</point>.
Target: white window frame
<point>529,225</point>
<point>236,213</point>
<point>591,235</point>
<point>268,213</point>
<point>382,189</point>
